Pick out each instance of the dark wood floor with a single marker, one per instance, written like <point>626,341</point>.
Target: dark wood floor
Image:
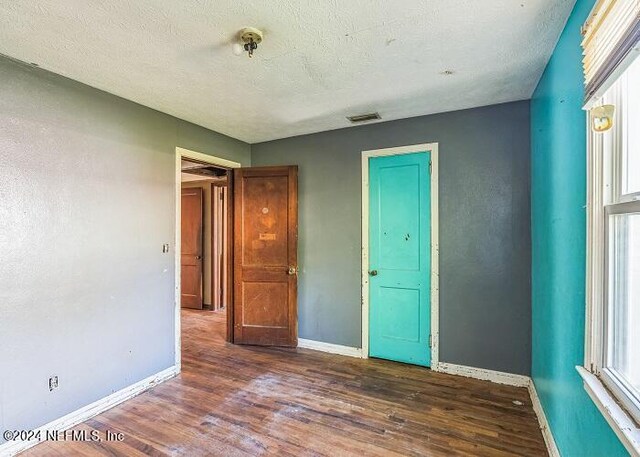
<point>248,401</point>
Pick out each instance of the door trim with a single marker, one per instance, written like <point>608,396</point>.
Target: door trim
<point>366,155</point>
<point>206,158</point>
<point>212,240</point>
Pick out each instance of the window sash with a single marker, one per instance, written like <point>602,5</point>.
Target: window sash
<point>632,207</point>
<point>613,151</point>
<point>616,384</point>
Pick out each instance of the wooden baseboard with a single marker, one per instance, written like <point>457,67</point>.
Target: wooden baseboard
<point>76,417</point>
<point>542,421</point>
<point>499,377</point>
<point>331,348</point>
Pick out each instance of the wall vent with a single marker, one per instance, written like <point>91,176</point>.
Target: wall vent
<point>364,118</point>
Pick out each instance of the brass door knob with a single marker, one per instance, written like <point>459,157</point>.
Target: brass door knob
<point>292,271</point>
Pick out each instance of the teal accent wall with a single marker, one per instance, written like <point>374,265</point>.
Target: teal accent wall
<point>558,190</point>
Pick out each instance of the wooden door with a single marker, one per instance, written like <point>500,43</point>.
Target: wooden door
<point>265,305</point>
<point>191,248</point>
<point>400,258</point>
<point>219,245</point>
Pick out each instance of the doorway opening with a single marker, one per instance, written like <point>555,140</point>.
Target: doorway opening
<point>204,240</point>
<point>237,229</point>
<point>204,259</point>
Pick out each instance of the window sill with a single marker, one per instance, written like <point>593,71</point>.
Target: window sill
<point>618,419</point>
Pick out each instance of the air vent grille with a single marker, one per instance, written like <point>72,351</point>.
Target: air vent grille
<point>364,118</point>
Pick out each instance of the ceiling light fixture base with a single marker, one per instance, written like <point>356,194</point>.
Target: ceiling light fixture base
<point>250,38</point>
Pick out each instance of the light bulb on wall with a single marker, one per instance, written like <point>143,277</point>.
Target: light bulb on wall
<point>602,118</point>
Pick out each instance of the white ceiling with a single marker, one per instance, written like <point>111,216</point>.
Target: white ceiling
<point>320,61</point>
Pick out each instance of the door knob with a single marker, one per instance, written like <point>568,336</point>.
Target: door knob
<point>292,271</point>
<point>198,257</point>
<point>373,273</point>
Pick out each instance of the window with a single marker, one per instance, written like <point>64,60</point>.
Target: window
<point>614,245</point>
<point>611,67</point>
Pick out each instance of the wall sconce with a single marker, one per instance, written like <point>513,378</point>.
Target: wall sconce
<point>602,118</point>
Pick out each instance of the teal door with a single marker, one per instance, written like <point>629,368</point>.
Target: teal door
<point>400,258</point>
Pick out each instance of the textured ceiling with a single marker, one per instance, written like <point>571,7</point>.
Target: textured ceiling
<point>320,61</point>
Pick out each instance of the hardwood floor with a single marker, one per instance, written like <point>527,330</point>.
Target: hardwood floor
<point>247,401</point>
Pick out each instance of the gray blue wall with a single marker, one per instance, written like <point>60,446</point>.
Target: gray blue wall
<point>86,201</point>
<point>485,261</point>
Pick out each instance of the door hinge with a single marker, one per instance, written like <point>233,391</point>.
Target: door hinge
<point>430,341</point>
<point>430,167</point>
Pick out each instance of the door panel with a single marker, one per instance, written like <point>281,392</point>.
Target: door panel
<point>219,250</point>
<point>191,248</point>
<point>255,311</point>
<point>402,314</point>
<point>265,256</point>
<point>265,199</point>
<point>400,257</point>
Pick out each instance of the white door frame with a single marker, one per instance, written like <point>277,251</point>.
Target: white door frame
<point>435,281</point>
<point>200,157</point>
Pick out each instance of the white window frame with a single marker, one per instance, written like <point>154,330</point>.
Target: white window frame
<point>620,407</point>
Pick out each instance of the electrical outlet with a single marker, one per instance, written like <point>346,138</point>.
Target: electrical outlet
<point>53,383</point>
